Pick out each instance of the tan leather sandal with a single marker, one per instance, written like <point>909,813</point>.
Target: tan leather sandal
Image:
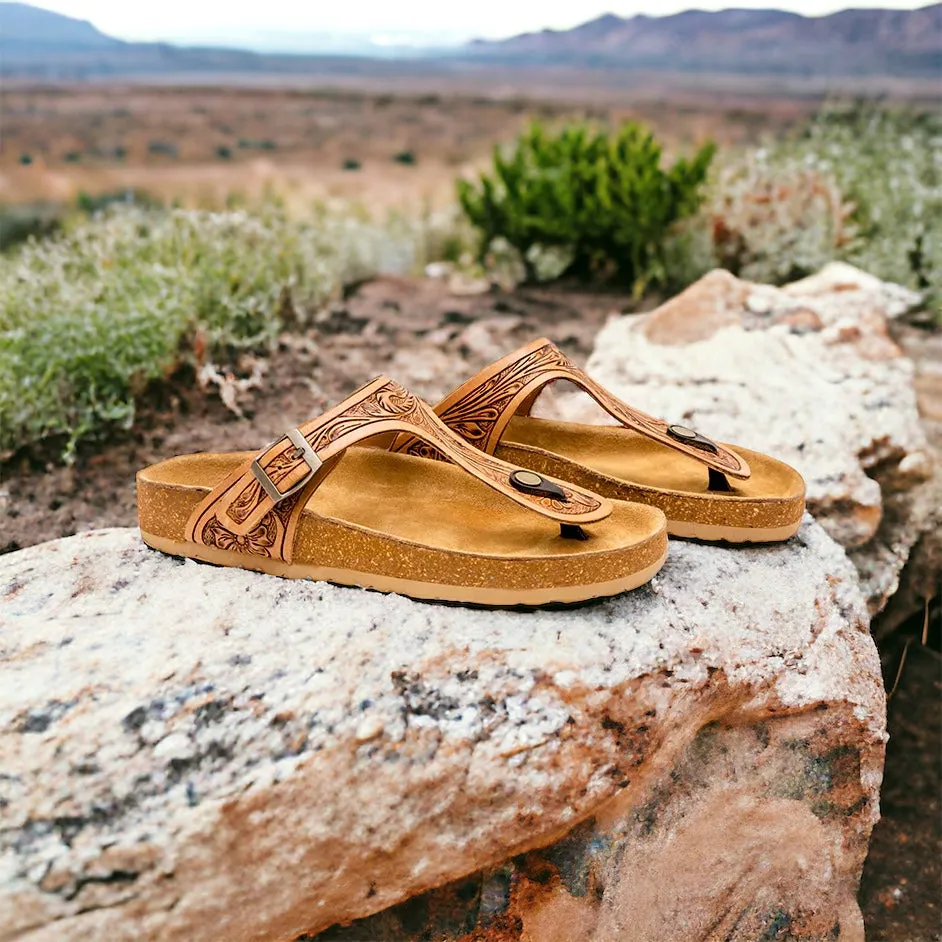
<point>644,459</point>
<point>315,505</point>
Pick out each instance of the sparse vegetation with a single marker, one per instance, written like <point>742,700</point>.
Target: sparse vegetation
<point>89,204</point>
<point>405,157</point>
<point>602,197</point>
<point>264,144</point>
<point>90,316</point>
<point>110,297</point>
<point>162,149</point>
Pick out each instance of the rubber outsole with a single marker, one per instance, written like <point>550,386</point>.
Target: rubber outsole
<point>472,595</point>
<point>712,533</point>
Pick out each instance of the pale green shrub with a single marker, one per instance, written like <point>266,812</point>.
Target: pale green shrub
<point>776,221</point>
<point>862,184</point>
<point>90,316</point>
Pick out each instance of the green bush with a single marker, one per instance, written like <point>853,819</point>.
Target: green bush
<point>603,197</point>
<point>92,203</point>
<point>90,316</point>
<point>405,157</point>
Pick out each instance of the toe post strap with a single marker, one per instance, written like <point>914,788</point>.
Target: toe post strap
<point>256,508</point>
<point>481,409</point>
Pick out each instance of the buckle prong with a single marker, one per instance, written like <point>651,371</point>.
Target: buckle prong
<point>302,448</point>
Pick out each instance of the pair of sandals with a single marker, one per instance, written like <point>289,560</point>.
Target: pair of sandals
<point>474,501</point>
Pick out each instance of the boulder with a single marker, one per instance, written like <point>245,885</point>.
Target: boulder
<point>808,373</point>
<point>189,752</point>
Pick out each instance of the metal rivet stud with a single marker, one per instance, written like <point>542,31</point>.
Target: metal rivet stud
<point>527,478</point>
<point>529,482</point>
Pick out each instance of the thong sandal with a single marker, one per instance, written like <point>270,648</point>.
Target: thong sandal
<point>708,490</point>
<point>318,504</point>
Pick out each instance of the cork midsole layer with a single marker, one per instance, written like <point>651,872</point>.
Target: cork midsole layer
<point>400,523</point>
<point>623,465</point>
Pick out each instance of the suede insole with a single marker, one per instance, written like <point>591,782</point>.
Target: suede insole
<point>629,456</point>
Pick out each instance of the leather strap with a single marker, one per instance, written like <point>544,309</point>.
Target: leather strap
<point>256,509</point>
<point>480,409</point>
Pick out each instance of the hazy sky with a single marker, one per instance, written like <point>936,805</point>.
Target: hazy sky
<point>177,19</point>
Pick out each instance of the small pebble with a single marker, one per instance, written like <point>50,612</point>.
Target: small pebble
<point>174,746</point>
<point>370,728</point>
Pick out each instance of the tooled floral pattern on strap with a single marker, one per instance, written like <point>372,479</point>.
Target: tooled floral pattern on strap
<point>474,416</point>
<point>498,471</point>
<point>428,425</point>
<point>267,539</point>
<point>389,402</point>
<point>656,428</point>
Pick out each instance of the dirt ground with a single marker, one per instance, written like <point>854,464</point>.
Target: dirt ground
<point>419,333</point>
<point>901,888</point>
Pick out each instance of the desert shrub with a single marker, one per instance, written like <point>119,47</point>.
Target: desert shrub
<point>90,203</point>
<point>602,197</point>
<point>774,223</point>
<point>90,316</point>
<point>351,164</point>
<point>405,157</point>
<point>26,159</point>
<point>860,183</point>
<point>224,153</point>
<point>73,157</point>
<point>162,149</point>
<point>19,223</point>
<point>248,144</point>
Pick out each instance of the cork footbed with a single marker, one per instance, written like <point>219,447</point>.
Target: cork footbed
<point>621,464</point>
<point>399,523</point>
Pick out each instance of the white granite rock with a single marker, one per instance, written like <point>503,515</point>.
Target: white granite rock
<point>807,373</point>
<point>194,753</point>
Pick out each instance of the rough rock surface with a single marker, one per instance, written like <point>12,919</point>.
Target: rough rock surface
<point>807,373</point>
<point>197,753</point>
<point>922,577</point>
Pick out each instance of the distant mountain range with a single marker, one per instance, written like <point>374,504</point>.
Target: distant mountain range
<point>41,44</point>
<point>901,42</point>
<point>22,25</point>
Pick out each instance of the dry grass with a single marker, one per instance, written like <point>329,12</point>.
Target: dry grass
<point>202,144</point>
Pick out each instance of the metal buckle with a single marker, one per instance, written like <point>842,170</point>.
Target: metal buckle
<point>302,448</point>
